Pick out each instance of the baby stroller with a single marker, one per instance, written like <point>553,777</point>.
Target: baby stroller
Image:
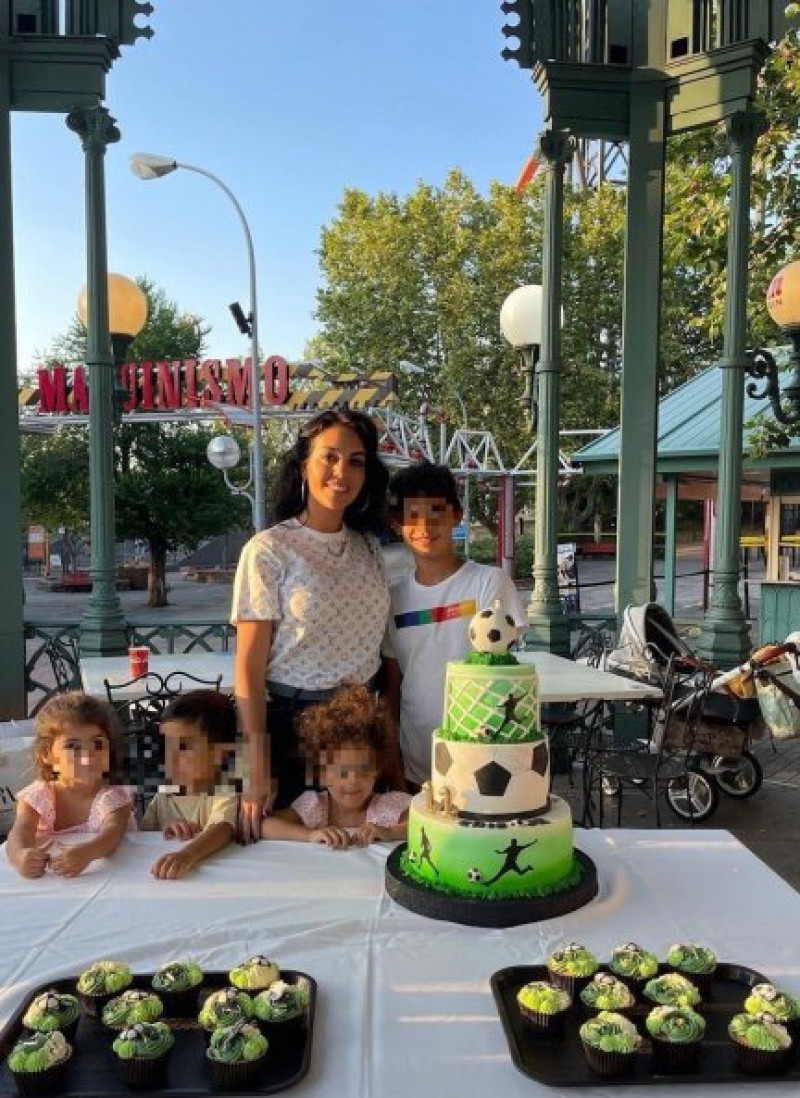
<point>728,723</point>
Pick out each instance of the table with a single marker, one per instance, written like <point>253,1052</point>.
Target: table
<point>405,1007</point>
<point>117,669</point>
<point>562,680</point>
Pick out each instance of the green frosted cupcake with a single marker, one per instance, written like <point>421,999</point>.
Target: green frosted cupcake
<point>606,992</point>
<point>254,974</point>
<point>101,982</point>
<point>697,962</point>
<point>225,1008</point>
<point>675,1033</point>
<point>130,1007</point>
<point>177,984</point>
<point>762,1044</point>
<point>281,1009</point>
<point>633,964</point>
<point>142,1051</point>
<point>672,989</point>
<point>38,1062</point>
<point>51,1011</point>
<point>572,967</point>
<point>780,1004</point>
<point>236,1054</point>
<point>543,1006</point>
<point>610,1042</point>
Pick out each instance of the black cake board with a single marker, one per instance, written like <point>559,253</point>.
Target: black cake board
<point>474,911</point>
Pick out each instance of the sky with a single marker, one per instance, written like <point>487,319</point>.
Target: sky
<point>289,102</point>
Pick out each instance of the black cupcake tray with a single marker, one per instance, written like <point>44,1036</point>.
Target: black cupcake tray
<point>560,1061</point>
<point>93,1073</point>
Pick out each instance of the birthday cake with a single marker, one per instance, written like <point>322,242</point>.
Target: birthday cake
<point>486,827</point>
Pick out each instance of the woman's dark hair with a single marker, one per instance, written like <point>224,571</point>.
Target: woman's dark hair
<point>366,514</point>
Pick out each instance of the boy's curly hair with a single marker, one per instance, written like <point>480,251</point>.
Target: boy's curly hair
<point>352,715</point>
<point>64,712</point>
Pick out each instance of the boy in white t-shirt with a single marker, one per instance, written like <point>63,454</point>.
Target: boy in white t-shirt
<point>431,608</point>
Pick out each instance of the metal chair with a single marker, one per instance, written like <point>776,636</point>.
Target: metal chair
<point>62,653</point>
<point>657,766</point>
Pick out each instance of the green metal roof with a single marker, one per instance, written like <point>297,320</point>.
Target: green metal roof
<point>689,425</point>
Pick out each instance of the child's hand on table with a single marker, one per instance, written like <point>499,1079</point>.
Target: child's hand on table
<point>34,860</point>
<point>336,837</point>
<point>366,834</point>
<point>69,861</point>
<point>181,829</point>
<point>171,867</point>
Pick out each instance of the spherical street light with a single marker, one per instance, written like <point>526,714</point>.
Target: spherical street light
<point>521,317</point>
<point>783,297</point>
<point>127,307</point>
<point>783,305</point>
<point>223,452</point>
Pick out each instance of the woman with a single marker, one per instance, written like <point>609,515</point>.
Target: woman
<point>310,600</point>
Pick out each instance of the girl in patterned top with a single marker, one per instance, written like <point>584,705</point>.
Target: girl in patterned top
<point>347,735</point>
<point>72,755</point>
<point>310,601</point>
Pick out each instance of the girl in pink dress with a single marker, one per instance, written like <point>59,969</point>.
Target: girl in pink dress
<point>346,735</point>
<point>72,755</point>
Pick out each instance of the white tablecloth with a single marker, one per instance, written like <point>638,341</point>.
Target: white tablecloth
<point>405,1006</point>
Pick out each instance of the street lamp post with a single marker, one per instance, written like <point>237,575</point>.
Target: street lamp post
<point>127,315</point>
<point>224,453</point>
<point>152,166</point>
<point>783,305</point>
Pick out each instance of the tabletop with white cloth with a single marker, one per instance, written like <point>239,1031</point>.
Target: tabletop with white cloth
<point>209,666</point>
<point>404,1003</point>
<point>560,680</point>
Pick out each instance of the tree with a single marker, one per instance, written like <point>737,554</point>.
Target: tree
<point>165,490</point>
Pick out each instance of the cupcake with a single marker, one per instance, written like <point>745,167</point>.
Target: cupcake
<point>254,974</point>
<point>571,967</point>
<point>101,982</point>
<point>235,1054</point>
<point>130,1007</point>
<point>634,965</point>
<point>177,984</point>
<point>783,1007</point>
<point>225,1008</point>
<point>281,1009</point>
<point>760,1041</point>
<point>606,992</point>
<point>698,963</point>
<point>610,1042</point>
<point>38,1062</point>
<point>53,1010</point>
<point>543,1006</point>
<point>675,1033</point>
<point>671,989</point>
<point>142,1052</point>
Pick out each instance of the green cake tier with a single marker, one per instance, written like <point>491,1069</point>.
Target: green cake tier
<point>491,704</point>
<point>490,858</point>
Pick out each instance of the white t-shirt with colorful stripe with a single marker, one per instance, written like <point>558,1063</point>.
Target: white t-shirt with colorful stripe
<point>427,627</point>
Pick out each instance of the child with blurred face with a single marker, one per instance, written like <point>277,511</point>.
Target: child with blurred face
<point>72,755</point>
<point>346,735</point>
<point>199,730</point>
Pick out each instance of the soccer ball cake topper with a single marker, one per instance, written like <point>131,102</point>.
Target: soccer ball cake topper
<point>493,630</point>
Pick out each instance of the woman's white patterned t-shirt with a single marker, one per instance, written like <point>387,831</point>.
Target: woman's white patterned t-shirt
<point>327,595</point>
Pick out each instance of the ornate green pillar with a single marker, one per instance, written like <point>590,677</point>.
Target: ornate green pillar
<point>12,639</point>
<point>103,630</point>
<point>549,626</point>
<point>725,639</point>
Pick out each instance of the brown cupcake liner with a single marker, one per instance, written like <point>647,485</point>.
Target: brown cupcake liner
<point>573,984</point>
<point>235,1075</point>
<point>548,1025</point>
<point>758,1061</point>
<point>608,1063</point>
<point>180,1004</point>
<point>674,1056</point>
<point>49,1081</point>
<point>93,1004</point>
<point>143,1071</point>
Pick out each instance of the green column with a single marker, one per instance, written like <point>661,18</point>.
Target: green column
<point>641,323</point>
<point>549,626</point>
<point>725,639</point>
<point>103,630</point>
<point>12,640</point>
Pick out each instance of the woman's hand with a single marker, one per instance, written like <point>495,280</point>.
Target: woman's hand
<point>252,809</point>
<point>336,837</point>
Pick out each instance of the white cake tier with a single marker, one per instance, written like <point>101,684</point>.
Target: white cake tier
<point>491,779</point>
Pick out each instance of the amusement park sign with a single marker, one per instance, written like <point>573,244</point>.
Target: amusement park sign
<point>168,386</point>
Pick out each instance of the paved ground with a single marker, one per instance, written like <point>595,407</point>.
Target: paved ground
<point>768,823</point>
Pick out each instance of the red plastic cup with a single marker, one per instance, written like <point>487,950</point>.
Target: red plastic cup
<point>139,657</point>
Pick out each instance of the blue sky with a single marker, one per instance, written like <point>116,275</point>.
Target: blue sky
<point>288,101</point>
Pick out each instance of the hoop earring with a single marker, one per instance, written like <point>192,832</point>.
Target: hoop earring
<point>365,505</point>
<point>303,491</point>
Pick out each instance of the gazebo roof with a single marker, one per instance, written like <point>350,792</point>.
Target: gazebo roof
<point>689,429</point>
